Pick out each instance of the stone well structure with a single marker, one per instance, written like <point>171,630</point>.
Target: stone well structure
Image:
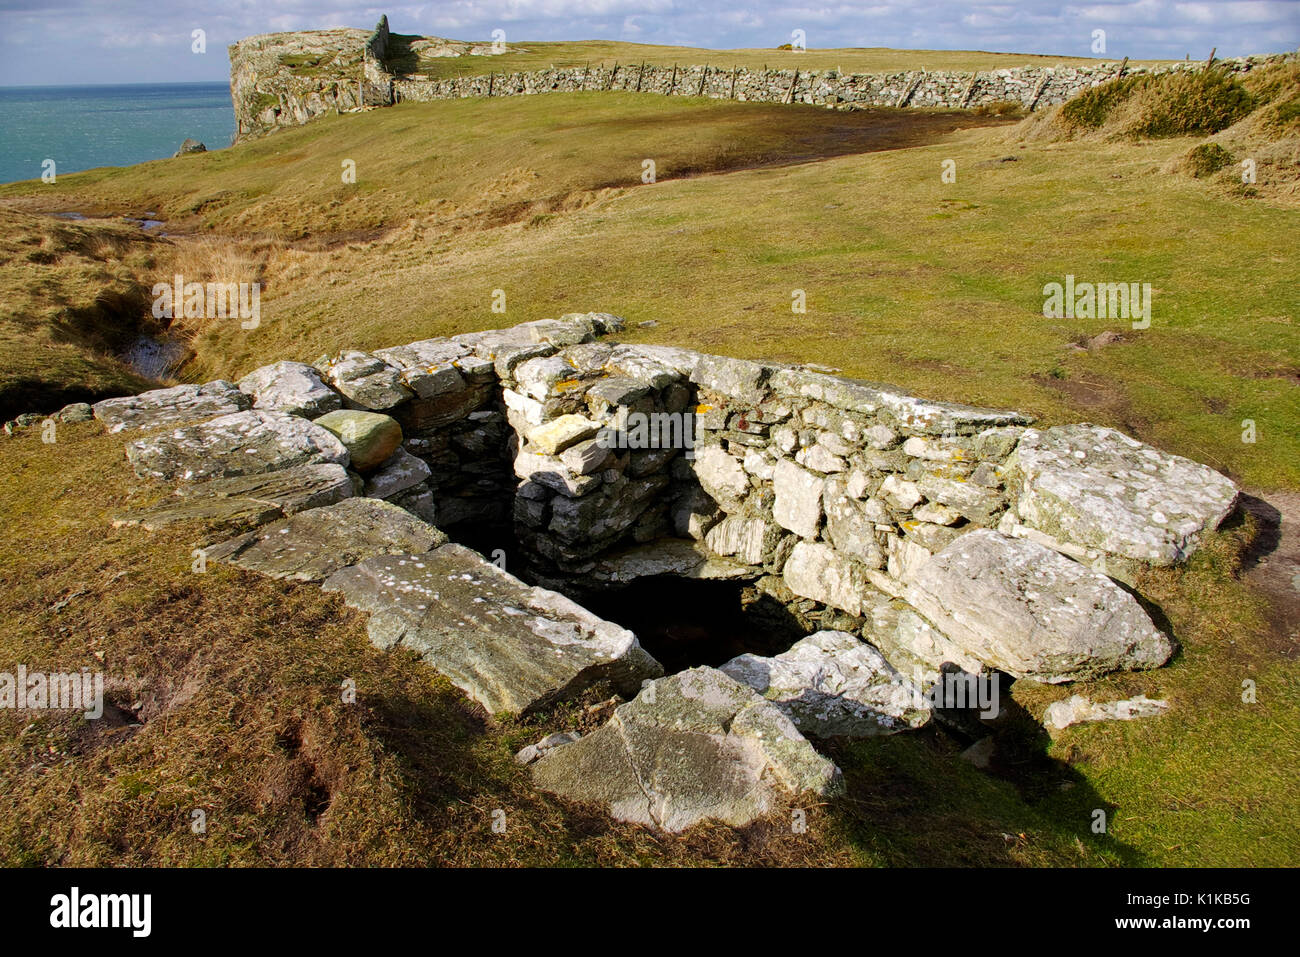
<point>903,536</point>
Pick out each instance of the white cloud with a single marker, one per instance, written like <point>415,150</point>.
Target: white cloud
<point>144,40</point>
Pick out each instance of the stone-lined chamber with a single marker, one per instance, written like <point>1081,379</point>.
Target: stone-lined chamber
<point>902,534</point>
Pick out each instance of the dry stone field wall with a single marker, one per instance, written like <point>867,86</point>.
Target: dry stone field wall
<point>1031,87</point>
<point>903,535</point>
<point>358,69</point>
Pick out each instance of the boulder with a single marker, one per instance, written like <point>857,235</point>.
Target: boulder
<point>1031,612</point>
<point>511,647</point>
<point>292,387</point>
<point>244,443</point>
<point>76,412</point>
<point>189,146</point>
<point>371,438</point>
<point>179,405</point>
<point>692,747</point>
<point>831,683</point>
<point>1098,489</point>
<point>911,644</point>
<point>312,545</point>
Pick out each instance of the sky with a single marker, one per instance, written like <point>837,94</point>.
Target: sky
<point>50,42</point>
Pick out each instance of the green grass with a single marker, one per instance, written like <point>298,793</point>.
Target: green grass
<point>933,286</point>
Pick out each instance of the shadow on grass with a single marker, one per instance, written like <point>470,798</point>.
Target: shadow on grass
<point>913,800</point>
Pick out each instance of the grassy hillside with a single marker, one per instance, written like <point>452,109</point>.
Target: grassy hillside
<point>933,285</point>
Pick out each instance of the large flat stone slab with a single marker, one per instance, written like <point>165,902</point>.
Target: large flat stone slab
<point>1097,489</point>
<point>1029,611</point>
<point>160,408</point>
<point>292,387</point>
<point>244,443</point>
<point>832,683</point>
<point>692,747</point>
<point>247,499</point>
<point>313,545</point>
<point>511,647</point>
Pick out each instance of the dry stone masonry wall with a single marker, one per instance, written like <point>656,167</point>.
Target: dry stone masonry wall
<point>348,69</point>
<point>904,536</point>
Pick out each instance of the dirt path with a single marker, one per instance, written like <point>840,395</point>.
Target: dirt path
<point>1273,567</point>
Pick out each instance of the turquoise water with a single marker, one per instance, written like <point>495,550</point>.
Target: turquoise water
<point>81,127</point>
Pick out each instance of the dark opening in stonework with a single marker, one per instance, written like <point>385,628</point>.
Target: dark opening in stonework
<point>685,622</point>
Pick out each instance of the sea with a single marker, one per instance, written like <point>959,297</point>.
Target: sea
<point>83,127</point>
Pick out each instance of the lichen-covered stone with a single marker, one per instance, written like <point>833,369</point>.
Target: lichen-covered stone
<point>292,387</point>
<point>1031,612</point>
<point>1097,488</point>
<point>511,647</point>
<point>312,545</point>
<point>159,408</point>
<point>831,683</point>
<point>243,443</point>
<point>366,379</point>
<point>692,747</point>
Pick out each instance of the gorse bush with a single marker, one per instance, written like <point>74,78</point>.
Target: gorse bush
<point>1190,103</point>
<point>1207,159</point>
<point>1168,104</point>
<point>1089,110</point>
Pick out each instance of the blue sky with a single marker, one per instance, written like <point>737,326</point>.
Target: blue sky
<point>125,41</point>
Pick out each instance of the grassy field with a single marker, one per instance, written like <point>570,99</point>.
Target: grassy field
<point>936,286</point>
<point>525,55</point>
